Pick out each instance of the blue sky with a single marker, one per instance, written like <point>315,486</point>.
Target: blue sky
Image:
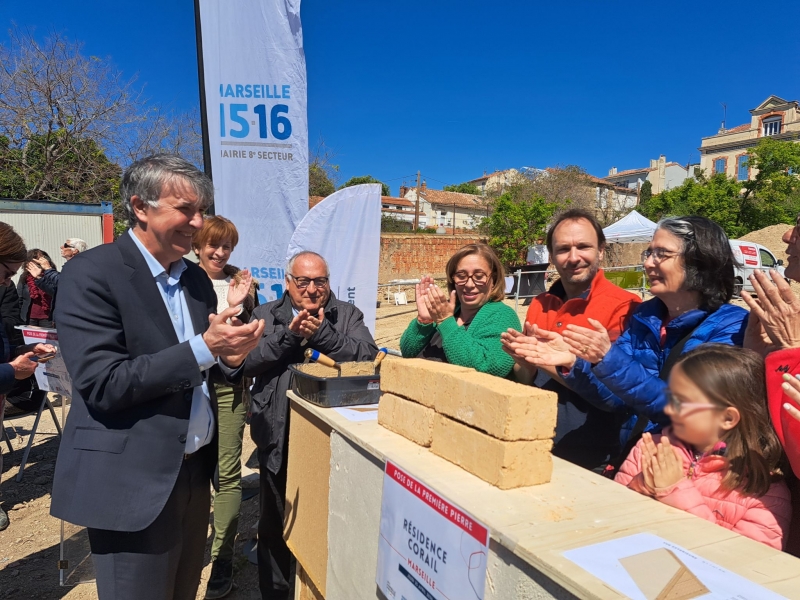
<point>453,88</point>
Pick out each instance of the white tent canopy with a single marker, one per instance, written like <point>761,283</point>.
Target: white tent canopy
<point>632,228</point>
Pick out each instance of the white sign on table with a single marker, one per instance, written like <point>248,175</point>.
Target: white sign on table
<point>632,565</point>
<point>429,548</point>
<point>52,375</point>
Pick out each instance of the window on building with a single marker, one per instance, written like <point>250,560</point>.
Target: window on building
<point>719,166</point>
<point>741,167</point>
<point>772,126</point>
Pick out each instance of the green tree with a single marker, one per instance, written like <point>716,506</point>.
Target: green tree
<point>366,179</point>
<point>68,122</point>
<point>463,188</point>
<point>769,198</point>
<point>322,173</point>
<point>646,192</point>
<point>773,195</point>
<point>515,224</point>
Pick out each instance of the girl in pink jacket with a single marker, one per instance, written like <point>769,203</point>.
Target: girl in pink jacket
<point>718,460</point>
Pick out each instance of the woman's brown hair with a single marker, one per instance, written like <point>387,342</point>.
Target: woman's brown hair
<point>215,229</point>
<point>730,376</point>
<point>12,248</point>
<point>498,283</point>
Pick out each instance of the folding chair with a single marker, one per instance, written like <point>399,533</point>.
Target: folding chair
<point>45,402</point>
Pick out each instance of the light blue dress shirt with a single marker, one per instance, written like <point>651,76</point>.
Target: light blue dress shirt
<point>201,417</point>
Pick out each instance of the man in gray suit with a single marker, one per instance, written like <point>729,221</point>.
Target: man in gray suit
<point>141,342</point>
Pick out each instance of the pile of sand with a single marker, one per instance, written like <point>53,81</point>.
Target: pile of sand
<point>771,238</point>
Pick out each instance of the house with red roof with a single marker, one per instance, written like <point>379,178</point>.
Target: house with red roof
<point>726,151</point>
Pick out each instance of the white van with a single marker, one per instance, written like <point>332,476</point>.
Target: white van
<point>749,257</point>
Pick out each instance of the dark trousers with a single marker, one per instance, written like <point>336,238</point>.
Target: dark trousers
<point>164,560</point>
<point>275,560</point>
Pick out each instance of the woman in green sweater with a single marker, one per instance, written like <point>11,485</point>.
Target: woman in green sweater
<point>463,327</point>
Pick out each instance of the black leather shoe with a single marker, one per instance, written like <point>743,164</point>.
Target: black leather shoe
<point>3,519</point>
<point>220,583</point>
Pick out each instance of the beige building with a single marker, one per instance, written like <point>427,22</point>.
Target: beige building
<point>726,152</point>
<point>661,174</point>
<point>497,181</point>
<point>446,209</point>
<point>402,209</point>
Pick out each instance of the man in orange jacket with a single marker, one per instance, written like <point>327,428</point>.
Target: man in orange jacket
<point>586,435</point>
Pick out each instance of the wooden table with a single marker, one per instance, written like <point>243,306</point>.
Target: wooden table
<point>334,492</point>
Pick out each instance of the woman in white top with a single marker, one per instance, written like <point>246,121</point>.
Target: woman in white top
<point>213,245</point>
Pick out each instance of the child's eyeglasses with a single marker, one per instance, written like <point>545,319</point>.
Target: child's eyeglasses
<point>678,406</point>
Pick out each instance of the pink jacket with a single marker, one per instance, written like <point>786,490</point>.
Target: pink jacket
<point>764,519</point>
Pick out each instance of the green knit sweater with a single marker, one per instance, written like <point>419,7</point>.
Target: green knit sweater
<point>478,347</point>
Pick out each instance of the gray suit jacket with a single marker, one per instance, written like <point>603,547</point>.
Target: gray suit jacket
<point>132,381</point>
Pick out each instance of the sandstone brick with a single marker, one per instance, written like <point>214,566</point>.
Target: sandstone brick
<point>504,409</point>
<point>505,465</point>
<point>409,419</point>
<point>421,380</point>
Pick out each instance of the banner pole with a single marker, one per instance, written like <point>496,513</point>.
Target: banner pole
<point>202,81</point>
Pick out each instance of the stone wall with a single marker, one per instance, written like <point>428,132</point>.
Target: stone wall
<point>410,256</point>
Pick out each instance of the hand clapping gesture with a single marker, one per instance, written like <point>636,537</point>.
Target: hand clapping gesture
<point>661,465</point>
<point>774,322</point>
<point>421,290</point>
<point>589,344</point>
<point>537,346</point>
<point>305,324</point>
<point>239,290</point>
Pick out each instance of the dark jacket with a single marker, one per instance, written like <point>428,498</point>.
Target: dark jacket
<point>627,379</point>
<point>132,384</point>
<point>342,336</point>
<point>9,313</point>
<point>48,283</point>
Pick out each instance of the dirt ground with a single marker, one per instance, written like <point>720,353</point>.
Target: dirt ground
<point>29,548</point>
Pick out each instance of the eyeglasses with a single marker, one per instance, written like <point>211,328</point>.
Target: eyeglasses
<point>658,254</point>
<point>65,246</point>
<point>304,282</point>
<point>478,277</point>
<point>678,406</point>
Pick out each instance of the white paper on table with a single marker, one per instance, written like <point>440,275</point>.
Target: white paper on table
<point>602,561</point>
<point>361,412</point>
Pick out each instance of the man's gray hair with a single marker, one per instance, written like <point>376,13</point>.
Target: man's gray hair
<point>290,264</point>
<point>147,178</point>
<point>77,244</point>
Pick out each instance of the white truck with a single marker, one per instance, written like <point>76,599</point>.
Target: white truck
<point>750,256</point>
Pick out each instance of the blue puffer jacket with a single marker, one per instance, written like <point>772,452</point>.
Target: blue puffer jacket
<point>627,379</point>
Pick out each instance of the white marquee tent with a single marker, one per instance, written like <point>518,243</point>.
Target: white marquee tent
<point>632,228</point>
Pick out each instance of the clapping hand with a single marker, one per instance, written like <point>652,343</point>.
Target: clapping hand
<point>538,346</point>
<point>238,290</point>
<point>791,387</point>
<point>232,342</point>
<point>305,324</point>
<point>777,311</point>
<point>589,344</point>
<point>421,290</point>
<point>667,465</point>
<point>438,304</point>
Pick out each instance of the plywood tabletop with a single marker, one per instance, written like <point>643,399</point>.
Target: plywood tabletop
<point>577,508</point>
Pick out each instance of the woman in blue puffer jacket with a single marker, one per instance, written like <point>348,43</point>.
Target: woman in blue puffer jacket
<point>690,266</point>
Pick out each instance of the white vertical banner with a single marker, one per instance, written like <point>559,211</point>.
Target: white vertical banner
<point>255,85</point>
<point>345,228</point>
